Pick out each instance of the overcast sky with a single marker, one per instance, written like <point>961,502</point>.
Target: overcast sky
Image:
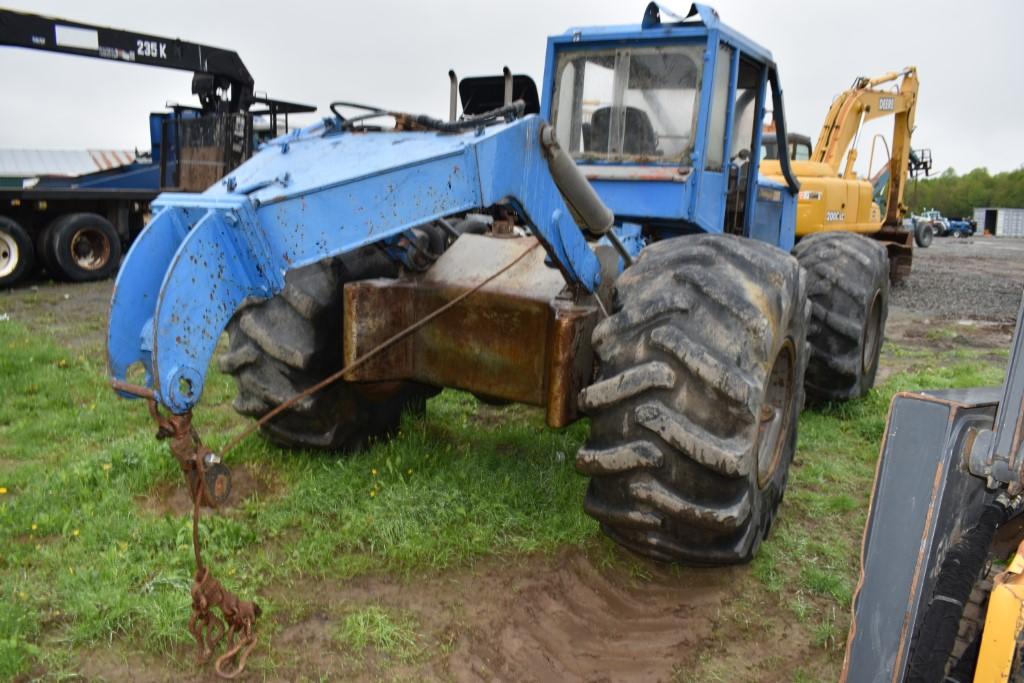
<point>397,54</point>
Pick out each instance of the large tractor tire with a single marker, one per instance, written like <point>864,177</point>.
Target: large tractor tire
<point>693,416</point>
<point>848,285</point>
<point>16,252</point>
<point>924,234</point>
<point>81,247</point>
<point>281,346</point>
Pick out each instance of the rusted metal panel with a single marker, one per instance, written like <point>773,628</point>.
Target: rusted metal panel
<point>571,360</point>
<point>520,338</point>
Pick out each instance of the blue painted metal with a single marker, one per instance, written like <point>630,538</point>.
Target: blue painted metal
<point>774,214</point>
<point>695,200</point>
<point>960,228</point>
<point>303,198</point>
<point>631,236</point>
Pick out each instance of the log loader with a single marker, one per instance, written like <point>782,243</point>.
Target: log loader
<point>832,197</point>
<point>607,249</point>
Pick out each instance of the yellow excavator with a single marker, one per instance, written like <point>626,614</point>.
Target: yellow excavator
<point>832,197</point>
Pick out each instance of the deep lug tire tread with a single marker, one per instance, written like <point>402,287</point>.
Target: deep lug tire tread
<point>846,271</point>
<point>684,359</point>
<point>281,346</point>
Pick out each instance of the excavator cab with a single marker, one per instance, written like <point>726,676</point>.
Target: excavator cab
<point>675,106</point>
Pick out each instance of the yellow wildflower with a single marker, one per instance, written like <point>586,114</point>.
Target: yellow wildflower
<point>410,471</point>
<point>2,490</point>
<point>34,526</point>
<point>75,532</point>
<point>373,492</point>
<point>374,471</point>
<point>107,466</point>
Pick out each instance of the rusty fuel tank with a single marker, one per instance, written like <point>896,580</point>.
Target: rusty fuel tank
<point>523,337</point>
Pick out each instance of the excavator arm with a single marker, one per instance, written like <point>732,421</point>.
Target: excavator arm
<point>867,101</point>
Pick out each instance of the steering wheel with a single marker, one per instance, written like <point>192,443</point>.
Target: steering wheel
<point>346,123</point>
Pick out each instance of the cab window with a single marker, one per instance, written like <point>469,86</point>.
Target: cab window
<point>628,104</point>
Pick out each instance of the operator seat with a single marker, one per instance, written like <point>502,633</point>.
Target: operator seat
<point>639,140</point>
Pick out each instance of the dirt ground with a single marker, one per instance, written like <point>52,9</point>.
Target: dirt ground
<point>543,619</point>
<point>567,617</point>
<point>965,279</point>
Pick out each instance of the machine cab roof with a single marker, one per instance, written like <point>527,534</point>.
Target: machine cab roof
<point>675,101</point>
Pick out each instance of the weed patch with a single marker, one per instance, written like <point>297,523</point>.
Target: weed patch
<point>389,634</point>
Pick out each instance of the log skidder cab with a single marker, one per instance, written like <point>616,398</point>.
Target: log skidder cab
<point>625,262</point>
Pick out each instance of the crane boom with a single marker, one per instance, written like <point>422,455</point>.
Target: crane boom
<point>213,68</point>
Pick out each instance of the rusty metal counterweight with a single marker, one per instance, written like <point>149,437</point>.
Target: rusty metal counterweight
<point>384,345</point>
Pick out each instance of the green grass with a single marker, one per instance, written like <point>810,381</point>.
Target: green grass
<point>814,551</point>
<point>85,563</point>
<point>387,633</point>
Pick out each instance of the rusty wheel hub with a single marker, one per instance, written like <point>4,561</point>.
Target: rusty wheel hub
<point>90,249</point>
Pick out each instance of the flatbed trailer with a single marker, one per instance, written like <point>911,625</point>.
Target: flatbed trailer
<point>76,228</point>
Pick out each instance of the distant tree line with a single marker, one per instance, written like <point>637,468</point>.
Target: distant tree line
<point>958,195</point>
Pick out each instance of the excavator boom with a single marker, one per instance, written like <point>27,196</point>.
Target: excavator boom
<point>864,102</point>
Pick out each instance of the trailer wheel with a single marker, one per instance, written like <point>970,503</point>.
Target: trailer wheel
<point>848,285</point>
<point>16,252</point>
<point>281,346</point>
<point>84,246</point>
<point>44,250</point>
<point>693,416</point>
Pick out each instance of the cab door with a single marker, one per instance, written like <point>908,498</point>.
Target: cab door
<point>712,185</point>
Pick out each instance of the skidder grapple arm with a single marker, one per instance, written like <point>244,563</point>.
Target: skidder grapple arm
<point>323,192</point>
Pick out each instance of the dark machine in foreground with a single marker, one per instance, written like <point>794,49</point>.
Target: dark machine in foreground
<point>949,480</point>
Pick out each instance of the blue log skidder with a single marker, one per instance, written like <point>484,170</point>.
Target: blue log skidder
<point>663,304</point>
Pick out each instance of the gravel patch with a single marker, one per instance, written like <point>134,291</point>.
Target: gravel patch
<point>965,279</point>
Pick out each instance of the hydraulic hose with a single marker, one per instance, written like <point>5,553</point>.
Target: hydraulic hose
<point>508,112</point>
<point>959,572</point>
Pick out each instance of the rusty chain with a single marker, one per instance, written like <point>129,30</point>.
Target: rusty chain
<point>207,592</point>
